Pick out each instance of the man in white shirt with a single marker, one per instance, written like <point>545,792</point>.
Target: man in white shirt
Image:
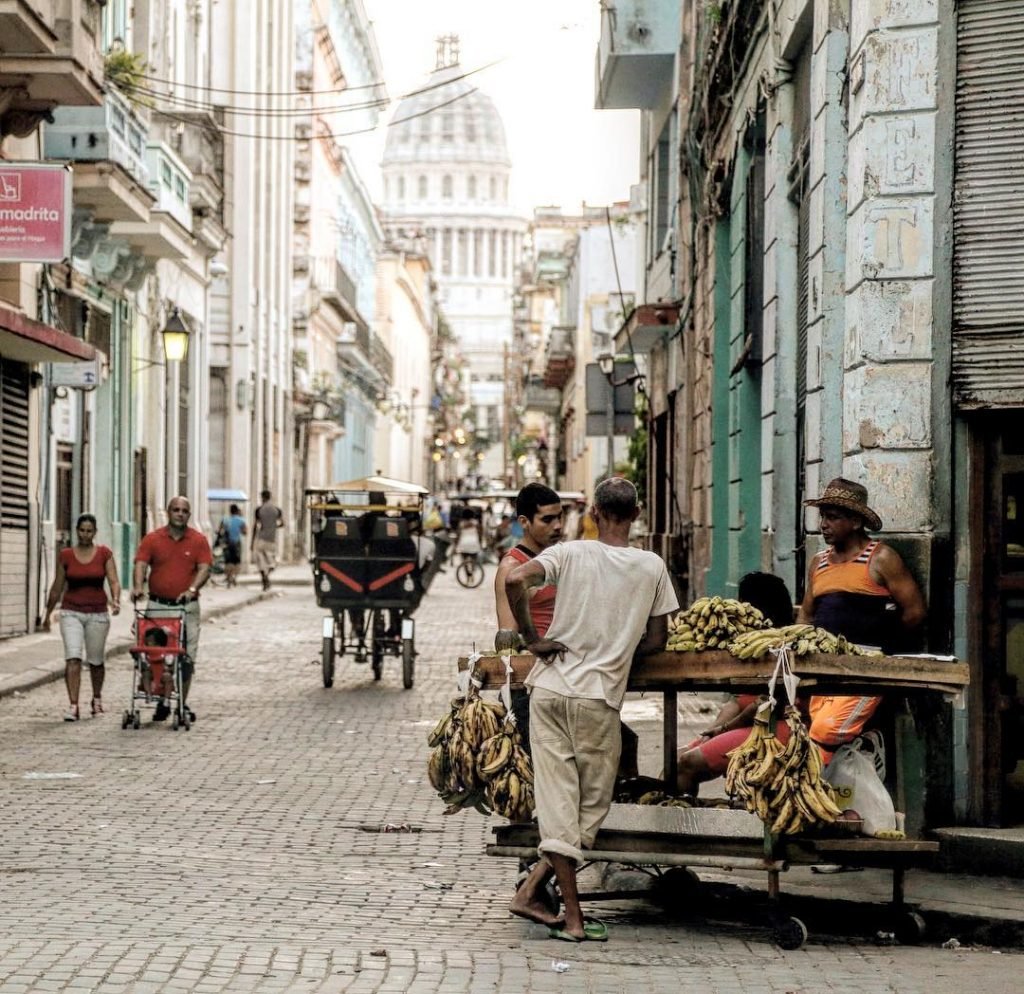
<point>612,605</point>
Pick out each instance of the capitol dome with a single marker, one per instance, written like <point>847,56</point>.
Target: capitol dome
<point>449,120</point>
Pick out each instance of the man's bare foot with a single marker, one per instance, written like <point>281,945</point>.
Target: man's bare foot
<point>534,911</point>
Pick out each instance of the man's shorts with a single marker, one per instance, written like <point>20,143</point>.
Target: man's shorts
<point>265,555</point>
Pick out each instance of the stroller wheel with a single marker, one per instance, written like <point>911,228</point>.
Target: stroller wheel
<point>136,720</point>
<point>126,719</point>
<point>175,722</point>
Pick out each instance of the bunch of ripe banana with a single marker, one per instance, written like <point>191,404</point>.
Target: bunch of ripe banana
<point>456,742</point>
<point>506,768</point>
<point>802,639</point>
<point>779,783</point>
<point>710,623</point>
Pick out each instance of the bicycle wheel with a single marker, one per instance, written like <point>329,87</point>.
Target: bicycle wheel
<point>470,573</point>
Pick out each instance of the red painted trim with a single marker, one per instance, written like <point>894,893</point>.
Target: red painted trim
<point>338,575</point>
<point>383,581</point>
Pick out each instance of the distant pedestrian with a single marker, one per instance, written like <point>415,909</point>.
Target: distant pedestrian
<point>229,537</point>
<point>264,537</point>
<point>82,571</point>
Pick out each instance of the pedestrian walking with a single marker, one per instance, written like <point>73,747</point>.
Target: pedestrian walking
<point>264,537</point>
<point>229,537</point>
<point>82,571</point>
<point>612,605</point>
<point>177,559</point>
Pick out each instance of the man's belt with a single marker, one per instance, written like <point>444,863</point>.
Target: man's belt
<point>173,601</point>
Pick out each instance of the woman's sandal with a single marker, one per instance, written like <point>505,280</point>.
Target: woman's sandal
<point>97,706</point>
<point>72,713</point>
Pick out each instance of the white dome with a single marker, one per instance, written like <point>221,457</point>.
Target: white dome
<point>451,122</point>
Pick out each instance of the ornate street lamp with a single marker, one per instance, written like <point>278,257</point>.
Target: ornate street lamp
<point>175,334</point>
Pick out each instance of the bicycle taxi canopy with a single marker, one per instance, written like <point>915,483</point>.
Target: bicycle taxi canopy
<point>363,550</point>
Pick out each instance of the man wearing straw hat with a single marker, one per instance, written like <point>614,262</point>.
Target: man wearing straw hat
<point>859,587</point>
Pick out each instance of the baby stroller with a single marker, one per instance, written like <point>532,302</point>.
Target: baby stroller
<point>159,657</point>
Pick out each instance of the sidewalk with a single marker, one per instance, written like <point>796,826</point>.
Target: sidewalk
<point>32,660</point>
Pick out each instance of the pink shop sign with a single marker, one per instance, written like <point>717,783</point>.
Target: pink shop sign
<point>35,212</point>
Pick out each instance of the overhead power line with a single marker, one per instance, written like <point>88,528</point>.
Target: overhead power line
<point>337,134</point>
<point>251,111</point>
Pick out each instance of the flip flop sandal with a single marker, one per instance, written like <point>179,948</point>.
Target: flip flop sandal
<point>595,930</point>
<point>560,933</point>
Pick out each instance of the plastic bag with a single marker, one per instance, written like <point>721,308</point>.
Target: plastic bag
<point>433,520</point>
<point>859,788</point>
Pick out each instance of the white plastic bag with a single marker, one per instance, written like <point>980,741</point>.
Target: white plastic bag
<point>859,788</point>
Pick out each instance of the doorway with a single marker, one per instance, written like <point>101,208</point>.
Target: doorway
<point>1002,625</point>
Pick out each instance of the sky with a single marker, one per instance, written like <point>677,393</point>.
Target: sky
<point>563,151</point>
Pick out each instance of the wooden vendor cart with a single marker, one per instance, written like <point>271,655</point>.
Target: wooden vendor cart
<point>680,838</point>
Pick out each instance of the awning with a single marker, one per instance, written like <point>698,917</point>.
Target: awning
<point>375,484</point>
<point>222,494</point>
<point>27,340</point>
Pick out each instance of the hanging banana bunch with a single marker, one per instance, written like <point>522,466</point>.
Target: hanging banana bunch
<point>710,623</point>
<point>456,741</point>
<point>779,783</point>
<point>803,640</point>
<point>478,760</point>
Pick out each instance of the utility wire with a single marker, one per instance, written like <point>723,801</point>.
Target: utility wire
<point>181,118</point>
<point>195,102</point>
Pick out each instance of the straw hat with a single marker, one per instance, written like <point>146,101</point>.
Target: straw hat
<point>848,496</point>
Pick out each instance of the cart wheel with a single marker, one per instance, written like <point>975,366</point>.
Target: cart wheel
<point>175,721</point>
<point>327,657</point>
<point>408,663</point>
<point>674,889</point>
<point>790,933</point>
<point>126,719</point>
<point>136,720</point>
<point>910,928</point>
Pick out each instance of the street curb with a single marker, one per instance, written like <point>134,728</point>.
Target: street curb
<point>121,648</point>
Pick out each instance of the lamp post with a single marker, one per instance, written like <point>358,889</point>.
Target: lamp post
<point>606,363</point>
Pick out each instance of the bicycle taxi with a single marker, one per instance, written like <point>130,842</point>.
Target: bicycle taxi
<point>366,554</point>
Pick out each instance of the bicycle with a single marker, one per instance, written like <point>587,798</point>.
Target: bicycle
<point>470,572</point>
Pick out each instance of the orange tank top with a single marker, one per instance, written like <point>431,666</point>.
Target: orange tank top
<point>542,601</point>
<point>853,577</point>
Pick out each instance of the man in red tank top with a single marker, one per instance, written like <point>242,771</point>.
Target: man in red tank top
<point>539,510</point>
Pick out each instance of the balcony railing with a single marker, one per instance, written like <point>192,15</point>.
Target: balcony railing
<point>112,132</point>
<point>169,181</point>
<point>336,288</point>
<point>381,358</point>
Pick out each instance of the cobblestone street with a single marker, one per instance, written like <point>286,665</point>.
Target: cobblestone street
<point>246,854</point>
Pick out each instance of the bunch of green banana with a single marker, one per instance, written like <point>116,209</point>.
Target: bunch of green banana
<point>803,640</point>
<point>779,783</point>
<point>456,740</point>
<point>710,622</point>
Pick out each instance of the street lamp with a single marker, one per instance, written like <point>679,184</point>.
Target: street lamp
<point>175,334</point>
<point>606,363</point>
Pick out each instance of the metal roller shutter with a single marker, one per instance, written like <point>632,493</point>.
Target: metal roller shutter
<point>988,206</point>
<point>14,507</point>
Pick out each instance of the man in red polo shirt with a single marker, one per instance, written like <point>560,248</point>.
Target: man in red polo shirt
<point>178,560</point>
